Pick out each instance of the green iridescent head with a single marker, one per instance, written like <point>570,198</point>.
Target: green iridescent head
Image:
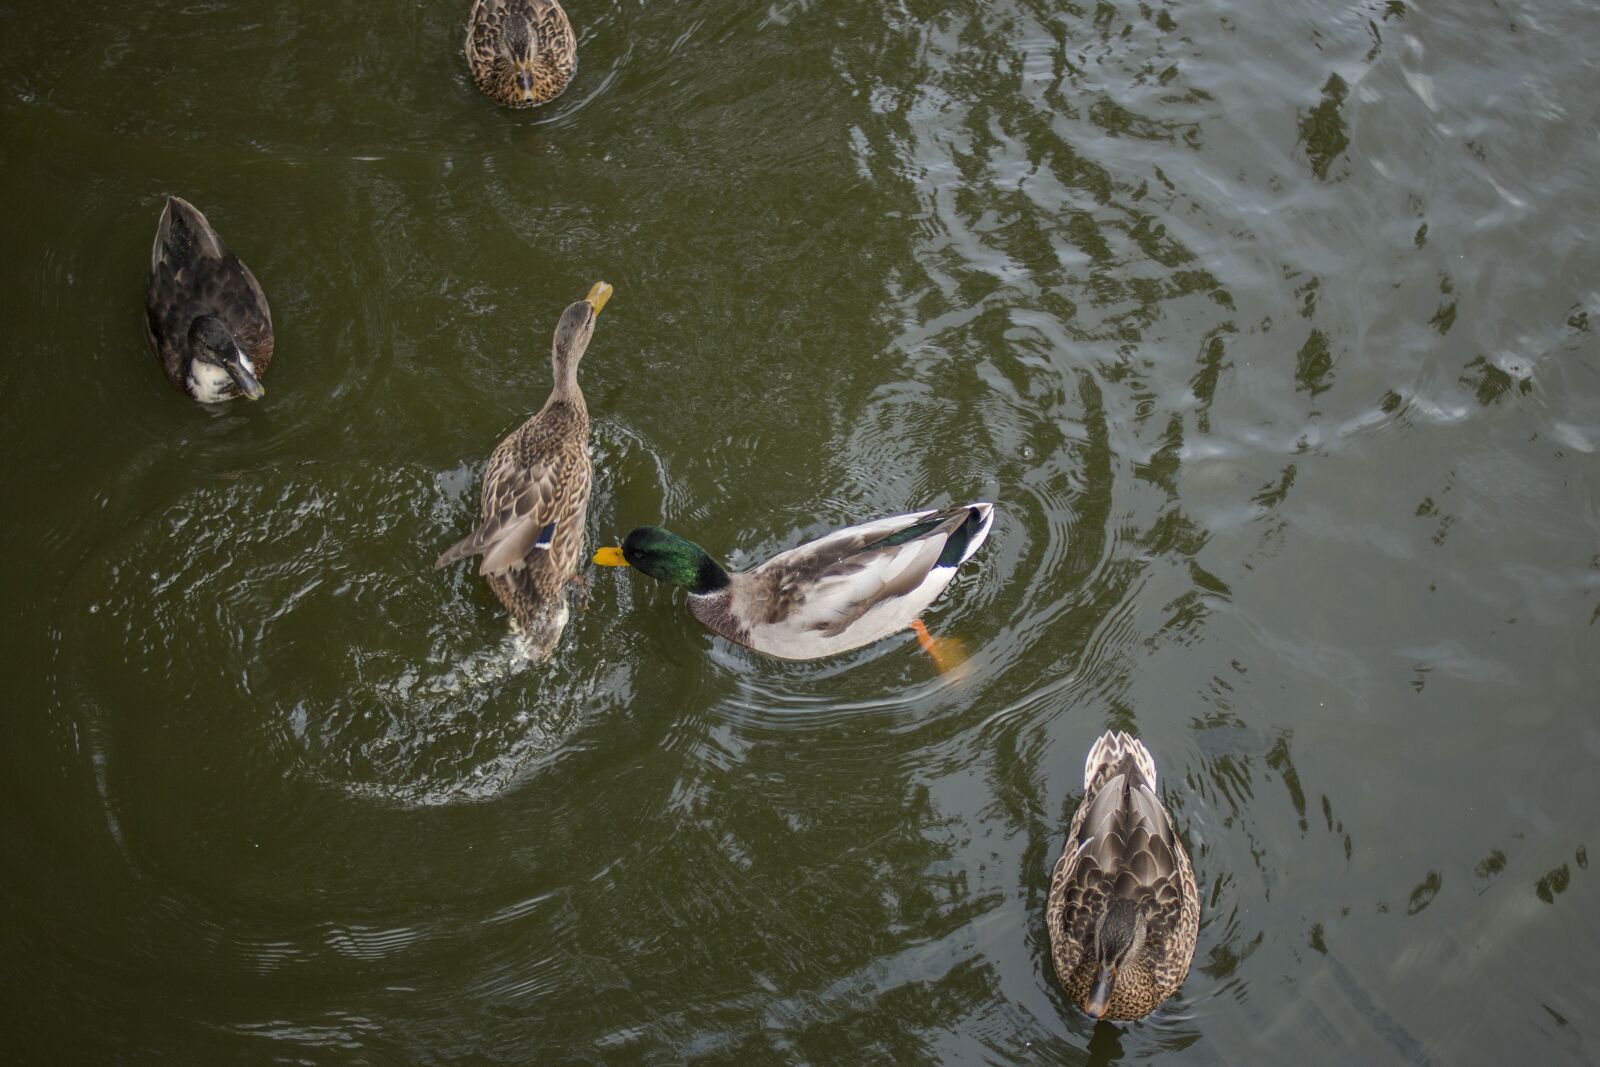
<point>666,557</point>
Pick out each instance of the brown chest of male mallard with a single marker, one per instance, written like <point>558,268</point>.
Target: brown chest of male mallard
<point>536,495</point>
<point>839,592</point>
<point>1124,911</point>
<point>205,313</point>
<point>522,53</point>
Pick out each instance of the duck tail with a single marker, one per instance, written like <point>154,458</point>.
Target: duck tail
<point>965,539</point>
<point>1109,754</point>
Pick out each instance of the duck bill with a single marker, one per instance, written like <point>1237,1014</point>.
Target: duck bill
<point>599,293</point>
<point>1099,998</point>
<point>244,378</point>
<point>610,557</point>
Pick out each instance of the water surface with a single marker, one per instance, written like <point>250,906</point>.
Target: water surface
<point>1270,331</point>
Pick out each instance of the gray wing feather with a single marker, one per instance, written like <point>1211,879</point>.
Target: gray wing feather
<point>844,569</point>
<point>523,507</point>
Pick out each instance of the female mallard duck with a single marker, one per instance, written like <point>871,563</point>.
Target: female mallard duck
<point>205,313</point>
<point>840,592</point>
<point>1123,911</point>
<point>535,494</point>
<point>522,52</point>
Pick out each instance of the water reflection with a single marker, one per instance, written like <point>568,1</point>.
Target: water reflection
<point>1322,130</point>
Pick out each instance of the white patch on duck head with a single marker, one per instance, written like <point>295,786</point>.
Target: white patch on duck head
<point>211,384</point>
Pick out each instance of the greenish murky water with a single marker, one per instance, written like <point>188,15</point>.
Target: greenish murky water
<point>1271,330</point>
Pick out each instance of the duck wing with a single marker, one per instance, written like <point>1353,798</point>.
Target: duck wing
<point>1122,845</point>
<point>194,273</point>
<point>485,29</point>
<point>511,27</point>
<point>858,584</point>
<point>525,500</point>
<point>1080,891</point>
<point>185,239</point>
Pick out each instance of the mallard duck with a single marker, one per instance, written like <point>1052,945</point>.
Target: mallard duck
<point>521,52</point>
<point>535,495</point>
<point>205,313</point>
<point>1123,911</point>
<point>839,592</point>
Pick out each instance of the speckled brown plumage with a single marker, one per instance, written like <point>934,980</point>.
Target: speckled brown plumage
<point>536,496</point>
<point>193,274</point>
<point>521,52</point>
<point>1122,861</point>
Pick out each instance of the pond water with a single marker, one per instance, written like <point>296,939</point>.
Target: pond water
<point>1271,332</point>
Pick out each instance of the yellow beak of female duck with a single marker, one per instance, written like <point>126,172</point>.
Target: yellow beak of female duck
<point>599,293</point>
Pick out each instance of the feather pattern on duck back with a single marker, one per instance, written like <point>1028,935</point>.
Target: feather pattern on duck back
<point>194,273</point>
<point>1121,845</point>
<point>534,502</point>
<point>531,38</point>
<point>848,588</point>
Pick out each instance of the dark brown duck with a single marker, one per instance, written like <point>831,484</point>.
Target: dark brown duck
<point>205,313</point>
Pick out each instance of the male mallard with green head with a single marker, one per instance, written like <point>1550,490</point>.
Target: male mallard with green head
<point>536,494</point>
<point>840,592</point>
<point>205,313</point>
<point>521,52</point>
<point>1124,911</point>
